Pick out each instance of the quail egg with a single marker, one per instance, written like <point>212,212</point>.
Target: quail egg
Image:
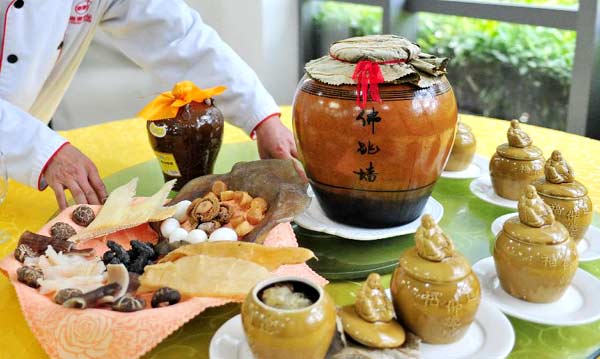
<point>196,236</point>
<point>181,209</point>
<point>223,234</point>
<point>168,226</point>
<point>178,235</point>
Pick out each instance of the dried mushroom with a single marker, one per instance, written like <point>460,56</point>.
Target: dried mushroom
<point>83,215</point>
<point>30,276</point>
<point>128,304</point>
<point>62,231</point>
<point>164,295</point>
<point>209,227</point>
<point>23,251</point>
<point>225,213</point>
<point>65,294</point>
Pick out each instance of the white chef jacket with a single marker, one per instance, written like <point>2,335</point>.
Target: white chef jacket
<point>44,41</point>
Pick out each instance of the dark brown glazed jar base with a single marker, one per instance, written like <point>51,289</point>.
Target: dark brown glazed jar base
<point>371,209</point>
<point>192,141</point>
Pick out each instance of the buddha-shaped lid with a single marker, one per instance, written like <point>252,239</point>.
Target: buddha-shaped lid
<point>370,321</point>
<point>434,258</point>
<point>519,146</point>
<point>536,223</point>
<point>559,179</point>
<point>372,304</point>
<point>464,135</point>
<point>396,59</point>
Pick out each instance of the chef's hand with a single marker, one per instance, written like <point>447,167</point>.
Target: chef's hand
<point>70,169</point>
<point>276,141</point>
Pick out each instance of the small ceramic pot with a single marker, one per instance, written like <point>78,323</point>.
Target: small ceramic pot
<point>187,146</point>
<point>568,198</point>
<point>291,334</point>
<point>435,300</point>
<point>513,168</point>
<point>535,264</point>
<point>463,150</point>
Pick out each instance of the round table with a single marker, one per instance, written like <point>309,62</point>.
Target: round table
<point>466,219</point>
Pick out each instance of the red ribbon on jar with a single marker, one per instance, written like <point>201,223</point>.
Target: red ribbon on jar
<point>368,76</point>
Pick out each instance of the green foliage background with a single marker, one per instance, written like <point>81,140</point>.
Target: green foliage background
<point>497,69</point>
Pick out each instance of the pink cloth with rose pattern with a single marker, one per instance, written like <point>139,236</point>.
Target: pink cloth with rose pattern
<point>101,333</point>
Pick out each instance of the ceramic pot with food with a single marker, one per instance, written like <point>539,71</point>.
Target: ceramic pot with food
<point>288,318</point>
<point>186,138</point>
<point>434,290</point>
<point>463,150</point>
<point>567,197</point>
<point>535,257</point>
<point>374,122</point>
<point>515,164</point>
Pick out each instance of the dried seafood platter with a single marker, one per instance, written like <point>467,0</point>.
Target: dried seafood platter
<point>119,278</point>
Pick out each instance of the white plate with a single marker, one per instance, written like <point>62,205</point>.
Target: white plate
<point>314,219</point>
<point>576,307</point>
<point>482,188</point>
<point>588,248</point>
<point>490,336</point>
<point>478,167</point>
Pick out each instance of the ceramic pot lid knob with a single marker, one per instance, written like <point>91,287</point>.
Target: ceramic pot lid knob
<point>431,242</point>
<point>372,304</point>
<point>557,170</point>
<point>516,136</point>
<point>533,212</point>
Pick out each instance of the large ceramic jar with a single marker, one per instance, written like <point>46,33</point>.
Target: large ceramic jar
<point>187,145</point>
<point>434,290</point>
<point>374,122</point>
<point>535,257</point>
<point>275,333</point>
<point>463,150</point>
<point>515,164</point>
<point>567,197</point>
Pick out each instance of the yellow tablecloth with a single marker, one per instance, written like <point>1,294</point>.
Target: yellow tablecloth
<point>118,145</point>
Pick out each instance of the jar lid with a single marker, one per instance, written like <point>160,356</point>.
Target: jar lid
<point>559,179</point>
<point>528,153</point>
<point>450,269</point>
<point>535,223</point>
<point>399,60</point>
<point>554,233</point>
<point>433,258</point>
<point>563,190</point>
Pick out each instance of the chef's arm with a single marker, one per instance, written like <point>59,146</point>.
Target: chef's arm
<point>39,157</point>
<point>170,40</point>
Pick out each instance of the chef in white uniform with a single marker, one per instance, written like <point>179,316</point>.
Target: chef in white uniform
<point>42,43</point>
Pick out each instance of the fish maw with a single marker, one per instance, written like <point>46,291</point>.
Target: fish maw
<point>205,276</point>
<point>268,257</point>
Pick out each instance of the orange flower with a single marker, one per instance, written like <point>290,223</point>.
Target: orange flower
<point>168,103</point>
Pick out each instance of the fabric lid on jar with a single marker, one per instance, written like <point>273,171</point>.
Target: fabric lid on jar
<point>399,60</point>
